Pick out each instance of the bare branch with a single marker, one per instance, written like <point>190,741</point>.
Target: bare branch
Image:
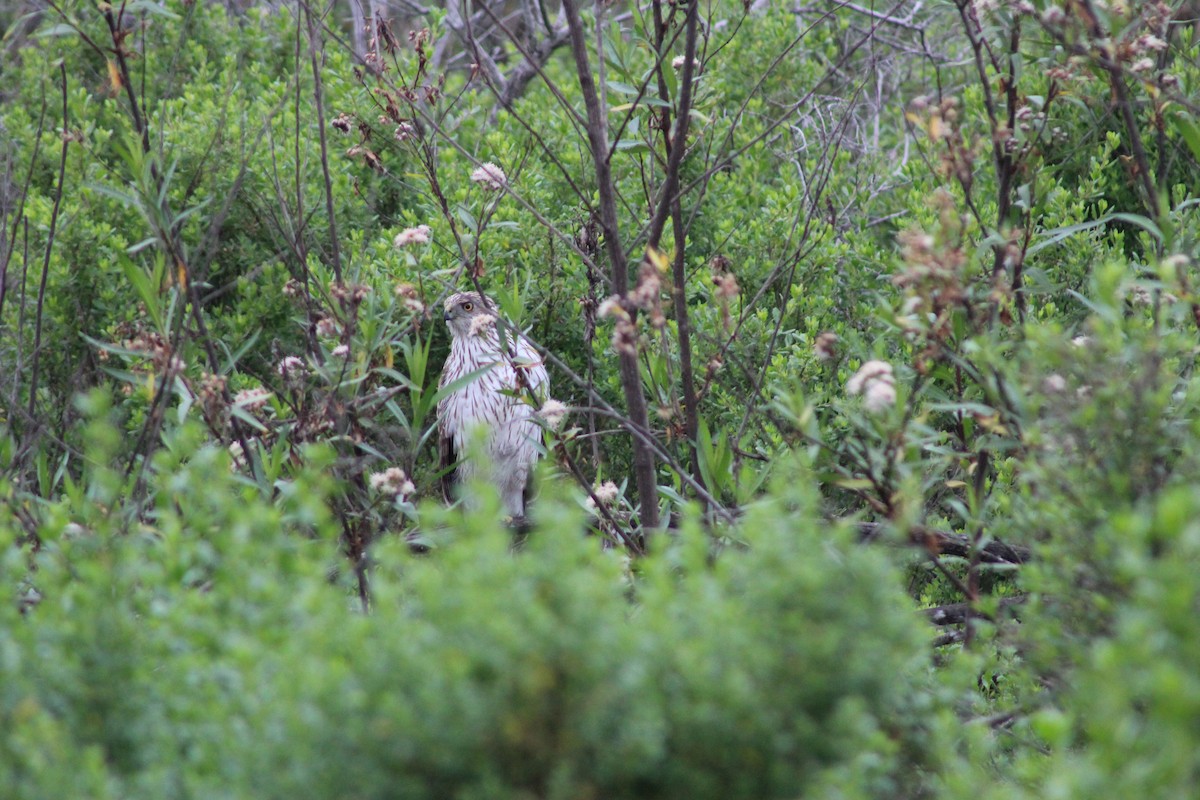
<point>319,99</point>
<point>41,298</point>
<point>631,378</point>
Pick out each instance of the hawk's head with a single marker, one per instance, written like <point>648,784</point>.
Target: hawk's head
<point>468,313</point>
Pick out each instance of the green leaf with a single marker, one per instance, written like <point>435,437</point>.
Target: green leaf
<point>146,290</point>
<point>468,219</point>
<point>647,100</point>
<point>1145,223</point>
<point>150,7</point>
<point>465,380</point>
<point>248,418</point>
<point>233,358</point>
<point>142,245</point>
<point>1056,235</point>
<point>623,88</point>
<point>186,399</point>
<point>633,146</point>
<point>1186,127</point>
<point>123,197</point>
<point>61,29</point>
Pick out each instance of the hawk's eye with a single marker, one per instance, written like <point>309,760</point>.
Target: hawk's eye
<point>468,306</point>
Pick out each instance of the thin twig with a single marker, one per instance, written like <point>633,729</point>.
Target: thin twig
<point>319,100</point>
<point>630,371</point>
<point>41,299</point>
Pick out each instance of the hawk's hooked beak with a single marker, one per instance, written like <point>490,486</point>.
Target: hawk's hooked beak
<point>445,316</point>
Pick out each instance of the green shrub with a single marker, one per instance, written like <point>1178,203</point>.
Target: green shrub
<point>1002,218</point>
<point>207,651</point>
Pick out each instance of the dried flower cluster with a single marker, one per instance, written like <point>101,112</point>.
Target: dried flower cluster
<point>211,396</point>
<point>404,131</point>
<point>418,235</point>
<point>291,368</point>
<point>611,307</point>
<point>725,290</point>
<point>490,177</point>
<point>1054,384</point>
<point>152,346</point>
<point>553,412</point>
<point>1144,32</point>
<point>876,383</point>
<point>341,325</point>
<point>327,327</point>
<point>411,88</point>
<point>825,347</point>
<point>725,286</point>
<point>625,335</point>
<point>940,122</point>
<point>647,295</point>
<point>252,399</point>
<point>349,295</point>
<point>1054,17</point>
<point>392,482</point>
<point>649,287</point>
<point>933,275</point>
<point>369,157</point>
<point>606,493</point>
<point>407,294</point>
<point>985,7</point>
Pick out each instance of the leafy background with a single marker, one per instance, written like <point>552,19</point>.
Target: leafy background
<point>973,576</point>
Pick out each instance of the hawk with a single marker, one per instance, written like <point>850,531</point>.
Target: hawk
<point>495,399</point>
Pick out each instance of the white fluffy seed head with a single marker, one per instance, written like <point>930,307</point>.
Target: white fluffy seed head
<point>291,366</point>
<point>869,373</point>
<point>879,396</point>
<point>553,412</point>
<point>876,383</point>
<point>606,493</point>
<point>392,481</point>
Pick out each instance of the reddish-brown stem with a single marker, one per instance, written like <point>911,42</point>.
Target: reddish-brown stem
<point>630,372</point>
<point>41,298</point>
<point>319,100</point>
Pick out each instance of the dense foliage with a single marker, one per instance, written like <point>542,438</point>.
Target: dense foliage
<point>857,320</point>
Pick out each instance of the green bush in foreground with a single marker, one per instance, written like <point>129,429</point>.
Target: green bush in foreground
<point>210,654</point>
<point>1126,721</point>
